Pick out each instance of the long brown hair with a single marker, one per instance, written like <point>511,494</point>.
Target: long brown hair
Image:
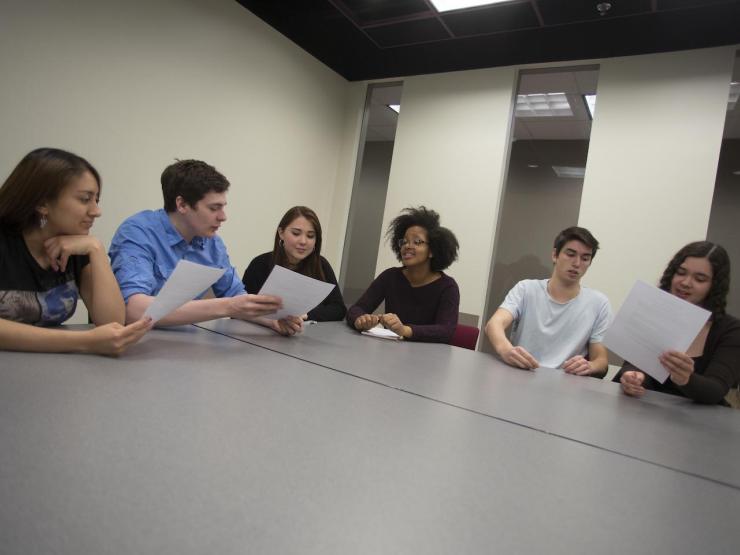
<point>311,265</point>
<point>38,178</point>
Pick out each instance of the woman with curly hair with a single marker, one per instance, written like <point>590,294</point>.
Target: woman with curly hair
<point>700,274</point>
<point>421,301</point>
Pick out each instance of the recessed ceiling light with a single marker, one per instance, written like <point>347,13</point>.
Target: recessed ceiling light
<point>542,105</point>
<point>590,100</point>
<point>395,107</point>
<point>569,171</point>
<point>533,165</point>
<point>449,5</point>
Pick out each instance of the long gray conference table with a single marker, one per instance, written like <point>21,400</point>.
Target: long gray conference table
<point>200,442</point>
<point>662,429</point>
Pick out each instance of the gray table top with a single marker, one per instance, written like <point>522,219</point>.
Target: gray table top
<point>662,429</point>
<point>196,443</point>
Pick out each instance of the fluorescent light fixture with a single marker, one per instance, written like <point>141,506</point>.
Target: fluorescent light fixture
<point>449,5</point>
<point>542,105</point>
<point>590,100</point>
<point>395,107</point>
<point>569,171</point>
<point>734,95</point>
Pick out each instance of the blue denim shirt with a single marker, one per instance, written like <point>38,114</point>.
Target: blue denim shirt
<point>147,247</point>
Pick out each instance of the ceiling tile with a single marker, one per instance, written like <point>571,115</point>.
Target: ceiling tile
<point>557,12</point>
<point>366,11</point>
<point>494,19</point>
<point>408,32</point>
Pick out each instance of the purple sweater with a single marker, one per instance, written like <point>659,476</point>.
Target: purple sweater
<point>430,310</point>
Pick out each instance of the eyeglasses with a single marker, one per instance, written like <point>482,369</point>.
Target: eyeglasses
<point>416,242</point>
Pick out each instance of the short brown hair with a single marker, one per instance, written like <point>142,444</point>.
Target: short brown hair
<point>191,180</point>
<point>576,233</point>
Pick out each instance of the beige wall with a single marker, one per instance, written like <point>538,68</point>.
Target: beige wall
<point>450,154</point>
<point>652,161</point>
<point>132,85</point>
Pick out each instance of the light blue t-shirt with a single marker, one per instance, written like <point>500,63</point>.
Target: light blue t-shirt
<point>147,247</point>
<point>551,331</point>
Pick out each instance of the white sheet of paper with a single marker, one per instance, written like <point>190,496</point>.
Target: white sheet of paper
<point>299,293</point>
<point>651,322</point>
<point>381,333</point>
<point>187,281</point>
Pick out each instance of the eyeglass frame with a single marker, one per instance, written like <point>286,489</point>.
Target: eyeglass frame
<point>417,242</point>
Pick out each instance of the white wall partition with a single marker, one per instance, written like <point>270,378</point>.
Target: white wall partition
<point>450,155</point>
<point>652,161</point>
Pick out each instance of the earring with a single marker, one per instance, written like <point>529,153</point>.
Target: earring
<point>281,243</point>
<point>42,221</point>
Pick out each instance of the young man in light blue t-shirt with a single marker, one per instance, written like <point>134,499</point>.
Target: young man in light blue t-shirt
<point>557,322</point>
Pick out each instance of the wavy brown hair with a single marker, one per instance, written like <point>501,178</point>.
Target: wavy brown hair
<point>38,178</point>
<point>716,299</point>
<point>311,265</point>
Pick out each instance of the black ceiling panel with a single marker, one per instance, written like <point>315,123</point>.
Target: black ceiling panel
<point>412,44</point>
<point>408,32</point>
<point>368,11</point>
<point>494,19</point>
<point>558,12</point>
<point>678,4</point>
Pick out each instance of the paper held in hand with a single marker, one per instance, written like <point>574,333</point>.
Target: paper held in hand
<point>300,293</point>
<point>651,322</point>
<point>187,281</point>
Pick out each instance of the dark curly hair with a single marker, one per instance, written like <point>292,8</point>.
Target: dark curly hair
<point>716,299</point>
<point>191,180</point>
<point>442,242</point>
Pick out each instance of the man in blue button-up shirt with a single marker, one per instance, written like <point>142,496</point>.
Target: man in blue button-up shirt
<point>148,245</point>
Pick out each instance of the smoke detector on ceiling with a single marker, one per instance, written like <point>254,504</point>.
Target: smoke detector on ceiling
<point>603,7</point>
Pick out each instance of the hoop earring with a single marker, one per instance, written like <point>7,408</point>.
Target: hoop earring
<point>42,222</point>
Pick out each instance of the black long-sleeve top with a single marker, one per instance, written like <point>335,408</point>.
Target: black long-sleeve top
<point>430,311</point>
<point>715,371</point>
<point>331,308</point>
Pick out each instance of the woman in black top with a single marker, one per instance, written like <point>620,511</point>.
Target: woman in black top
<point>700,274</point>
<point>298,248</point>
<point>48,259</point>
<point>422,303</point>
